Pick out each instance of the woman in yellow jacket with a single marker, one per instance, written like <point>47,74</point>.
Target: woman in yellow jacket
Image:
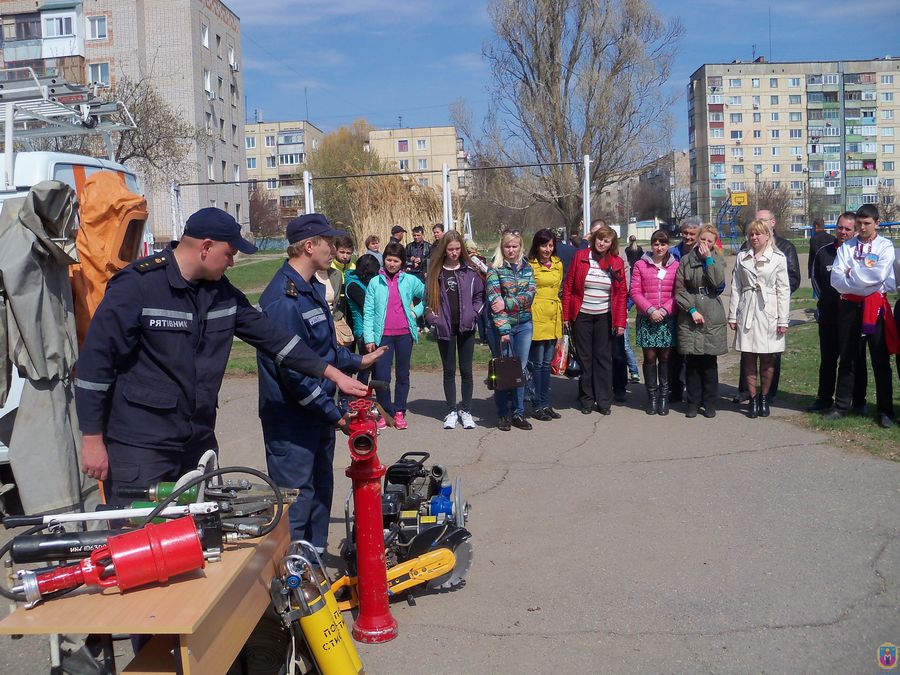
<point>546,316</point>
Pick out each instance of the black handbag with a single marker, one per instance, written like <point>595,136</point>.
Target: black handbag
<point>573,367</point>
<point>504,373</point>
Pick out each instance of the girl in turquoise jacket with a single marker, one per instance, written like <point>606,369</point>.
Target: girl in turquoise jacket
<point>394,300</point>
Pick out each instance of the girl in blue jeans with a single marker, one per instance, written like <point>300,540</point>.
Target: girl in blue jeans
<point>510,292</point>
<point>546,317</point>
<point>389,319</point>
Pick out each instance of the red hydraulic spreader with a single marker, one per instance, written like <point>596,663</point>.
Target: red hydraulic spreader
<point>374,622</point>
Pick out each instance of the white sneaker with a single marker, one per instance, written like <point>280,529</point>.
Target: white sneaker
<point>451,419</point>
<point>466,419</point>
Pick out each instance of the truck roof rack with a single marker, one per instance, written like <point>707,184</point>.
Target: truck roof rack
<point>50,107</point>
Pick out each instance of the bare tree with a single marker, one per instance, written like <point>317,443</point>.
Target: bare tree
<point>265,215</point>
<point>159,148</point>
<point>574,78</point>
<point>888,204</point>
<point>768,196</point>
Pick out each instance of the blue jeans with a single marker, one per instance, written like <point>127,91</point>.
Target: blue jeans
<point>399,348</point>
<point>540,357</point>
<point>629,354</point>
<point>512,401</point>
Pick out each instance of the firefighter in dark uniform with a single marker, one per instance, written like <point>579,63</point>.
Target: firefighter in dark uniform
<point>154,357</point>
<point>299,412</point>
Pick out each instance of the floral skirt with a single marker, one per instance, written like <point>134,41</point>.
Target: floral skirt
<point>655,335</point>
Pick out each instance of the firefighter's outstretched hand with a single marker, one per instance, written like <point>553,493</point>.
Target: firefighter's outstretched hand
<point>343,426</point>
<point>94,460</point>
<point>372,357</point>
<point>349,385</point>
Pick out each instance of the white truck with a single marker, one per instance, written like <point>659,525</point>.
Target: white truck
<point>34,108</point>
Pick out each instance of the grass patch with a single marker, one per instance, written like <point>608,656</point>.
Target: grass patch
<point>799,382</point>
<point>254,274</point>
<point>425,356</point>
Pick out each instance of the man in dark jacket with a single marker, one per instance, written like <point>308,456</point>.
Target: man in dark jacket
<point>793,269</point>
<point>417,252</point>
<point>827,306</point>
<point>298,412</point>
<point>818,239</point>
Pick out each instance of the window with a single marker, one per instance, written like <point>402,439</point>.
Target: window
<point>99,72</point>
<point>887,131</point>
<point>717,149</point>
<point>795,150</point>
<point>773,83</point>
<point>757,133</point>
<point>251,162</point>
<point>794,99</point>
<point>755,101</point>
<point>757,118</point>
<point>736,118</point>
<point>796,168</point>
<point>290,138</point>
<point>58,26</point>
<point>236,172</point>
<point>795,117</point>
<point>888,166</point>
<point>270,141</point>
<point>421,143</point>
<point>234,134</point>
<point>737,186</point>
<point>231,61</point>
<point>773,117</point>
<point>421,164</point>
<point>887,79</point>
<point>737,169</point>
<point>833,167</point>
<point>830,78</point>
<point>249,142</point>
<point>757,152</point>
<point>204,35</point>
<point>757,168</point>
<point>887,182</point>
<point>403,146</point>
<point>793,82</point>
<point>224,170</point>
<point>714,98</point>
<point>775,133</point>
<point>887,96</point>
<point>271,162</point>
<point>796,133</point>
<point>776,184</point>
<point>207,83</point>
<point>96,27</point>
<point>773,100</point>
<point>776,168</point>
<point>210,168</point>
<point>754,83</point>
<point>887,114</point>
<point>234,96</point>
<point>289,159</point>
<point>404,165</point>
<point>734,100</point>
<point>423,182</point>
<point>776,151</point>
<point>716,117</point>
<point>220,89</point>
<point>272,184</point>
<point>221,130</point>
<point>209,127</point>
<point>219,45</point>
<point>734,82</point>
<point>737,135</point>
<point>796,185</point>
<point>737,153</point>
<point>718,132</point>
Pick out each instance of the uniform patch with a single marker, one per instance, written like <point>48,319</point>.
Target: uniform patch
<point>152,263</point>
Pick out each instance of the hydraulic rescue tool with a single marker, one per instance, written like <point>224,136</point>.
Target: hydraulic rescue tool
<point>158,548</point>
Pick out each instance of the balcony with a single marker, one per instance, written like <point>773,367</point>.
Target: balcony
<point>23,50</point>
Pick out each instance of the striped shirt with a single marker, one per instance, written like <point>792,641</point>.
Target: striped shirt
<point>597,286</point>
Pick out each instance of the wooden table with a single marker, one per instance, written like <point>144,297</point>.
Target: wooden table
<point>200,620</point>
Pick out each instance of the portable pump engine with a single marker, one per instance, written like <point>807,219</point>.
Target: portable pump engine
<point>422,511</point>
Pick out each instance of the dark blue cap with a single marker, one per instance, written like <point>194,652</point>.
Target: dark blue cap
<point>215,224</point>
<point>310,225</point>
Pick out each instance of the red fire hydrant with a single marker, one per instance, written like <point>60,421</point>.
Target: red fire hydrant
<point>374,622</point>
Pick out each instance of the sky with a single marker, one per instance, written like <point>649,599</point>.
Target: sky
<point>393,61</point>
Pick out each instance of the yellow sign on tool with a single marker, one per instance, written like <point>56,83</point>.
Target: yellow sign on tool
<point>739,199</point>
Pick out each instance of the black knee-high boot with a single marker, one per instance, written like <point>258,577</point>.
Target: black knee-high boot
<point>652,388</point>
<point>662,404</point>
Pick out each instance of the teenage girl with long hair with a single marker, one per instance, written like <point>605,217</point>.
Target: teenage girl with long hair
<point>546,316</point>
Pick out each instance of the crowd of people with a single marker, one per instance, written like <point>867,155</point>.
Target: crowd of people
<point>325,314</point>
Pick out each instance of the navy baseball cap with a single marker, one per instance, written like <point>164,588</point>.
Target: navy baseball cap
<point>215,224</point>
<point>310,225</point>
<point>396,229</point>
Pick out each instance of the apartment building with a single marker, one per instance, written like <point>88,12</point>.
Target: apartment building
<point>274,153</point>
<point>824,130</point>
<point>189,49</point>
<point>423,151</point>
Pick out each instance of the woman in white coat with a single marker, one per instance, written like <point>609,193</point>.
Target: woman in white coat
<point>759,311</point>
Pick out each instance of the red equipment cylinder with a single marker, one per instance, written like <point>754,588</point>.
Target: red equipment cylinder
<point>374,623</point>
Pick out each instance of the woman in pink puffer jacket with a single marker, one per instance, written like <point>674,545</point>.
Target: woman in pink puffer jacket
<point>653,292</point>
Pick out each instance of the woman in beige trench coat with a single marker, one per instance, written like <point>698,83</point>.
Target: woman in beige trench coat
<point>759,311</point>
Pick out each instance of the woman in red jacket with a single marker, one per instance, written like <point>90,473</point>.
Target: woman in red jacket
<point>594,298</point>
